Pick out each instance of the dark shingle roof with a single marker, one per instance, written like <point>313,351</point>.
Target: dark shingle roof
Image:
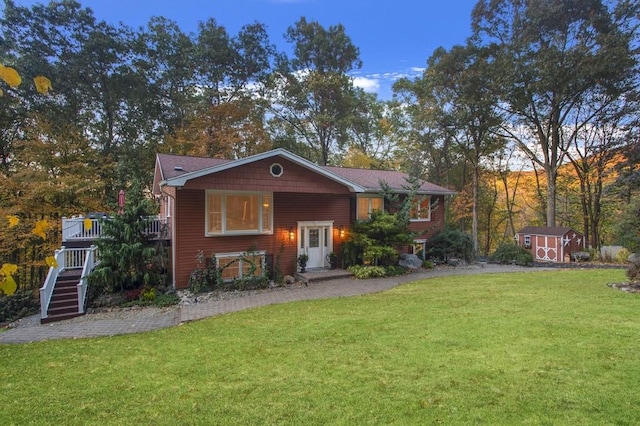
<point>173,166</point>
<point>370,179</point>
<point>556,231</point>
<point>169,164</point>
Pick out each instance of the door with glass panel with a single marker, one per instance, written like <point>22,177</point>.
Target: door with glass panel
<point>314,247</point>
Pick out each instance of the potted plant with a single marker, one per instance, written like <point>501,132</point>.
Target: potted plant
<point>302,261</point>
<point>332,258</point>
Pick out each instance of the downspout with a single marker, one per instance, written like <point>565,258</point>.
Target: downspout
<point>172,227</point>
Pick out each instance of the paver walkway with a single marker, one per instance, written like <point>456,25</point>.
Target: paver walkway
<point>152,318</point>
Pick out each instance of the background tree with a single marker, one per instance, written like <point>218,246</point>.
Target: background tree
<point>312,96</point>
<point>464,104</point>
<point>373,134</point>
<point>548,56</point>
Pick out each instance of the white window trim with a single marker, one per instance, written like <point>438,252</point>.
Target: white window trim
<point>423,219</point>
<point>271,170</point>
<point>369,197</point>
<point>224,232</point>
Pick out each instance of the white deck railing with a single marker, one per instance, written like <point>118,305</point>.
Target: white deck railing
<point>67,259</point>
<point>90,262</point>
<point>80,228</point>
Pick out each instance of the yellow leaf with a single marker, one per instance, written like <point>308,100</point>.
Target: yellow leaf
<point>13,220</point>
<point>8,269</point>
<point>8,286</point>
<point>43,84</point>
<point>10,76</point>
<point>41,228</point>
<point>88,223</point>
<point>51,261</point>
<point>1,93</point>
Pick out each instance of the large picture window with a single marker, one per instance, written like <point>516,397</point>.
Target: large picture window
<point>421,209</point>
<point>239,213</point>
<point>366,205</point>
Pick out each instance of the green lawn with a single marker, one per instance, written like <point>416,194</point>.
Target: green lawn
<point>556,347</point>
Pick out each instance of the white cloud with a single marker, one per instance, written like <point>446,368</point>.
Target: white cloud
<point>368,84</point>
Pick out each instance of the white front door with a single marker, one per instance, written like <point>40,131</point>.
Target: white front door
<point>315,241</point>
<point>314,247</point>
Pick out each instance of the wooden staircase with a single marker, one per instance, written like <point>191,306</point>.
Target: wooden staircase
<point>64,300</point>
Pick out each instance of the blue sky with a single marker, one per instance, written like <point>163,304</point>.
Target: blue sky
<point>395,37</point>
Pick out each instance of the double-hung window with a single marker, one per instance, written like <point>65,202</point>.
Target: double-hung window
<point>366,205</point>
<point>421,209</point>
<point>239,213</point>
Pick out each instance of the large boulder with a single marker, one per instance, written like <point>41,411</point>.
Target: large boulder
<point>634,258</point>
<point>410,261</point>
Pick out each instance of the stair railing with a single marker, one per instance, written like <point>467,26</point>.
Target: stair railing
<point>90,262</point>
<point>67,259</point>
<point>46,291</point>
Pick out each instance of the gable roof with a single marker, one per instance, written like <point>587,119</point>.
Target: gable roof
<point>177,170</point>
<point>371,179</point>
<point>556,231</point>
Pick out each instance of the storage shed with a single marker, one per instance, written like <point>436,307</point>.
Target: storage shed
<point>550,243</point>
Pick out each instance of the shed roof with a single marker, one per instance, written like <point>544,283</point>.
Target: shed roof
<point>556,231</point>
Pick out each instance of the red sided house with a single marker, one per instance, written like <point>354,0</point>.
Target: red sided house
<point>276,204</point>
<point>550,243</point>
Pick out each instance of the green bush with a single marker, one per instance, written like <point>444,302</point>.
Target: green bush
<point>512,253</point>
<point>449,244</point>
<point>164,300</point>
<point>129,258</point>
<point>428,264</point>
<point>622,256</point>
<point>20,304</point>
<point>206,276</point>
<point>363,272</point>
<point>392,271</point>
<point>374,241</point>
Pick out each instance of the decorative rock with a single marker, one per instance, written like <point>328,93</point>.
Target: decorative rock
<point>410,261</point>
<point>634,258</point>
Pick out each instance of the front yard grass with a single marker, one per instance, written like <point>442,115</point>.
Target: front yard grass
<point>556,347</point>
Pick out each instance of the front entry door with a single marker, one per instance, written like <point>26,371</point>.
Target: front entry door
<point>315,240</point>
<point>314,247</point>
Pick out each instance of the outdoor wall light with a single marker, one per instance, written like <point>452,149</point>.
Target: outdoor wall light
<point>291,234</point>
<point>341,231</point>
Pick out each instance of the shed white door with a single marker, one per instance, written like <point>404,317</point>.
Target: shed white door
<point>546,248</point>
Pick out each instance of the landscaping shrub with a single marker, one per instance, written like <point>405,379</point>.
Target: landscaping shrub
<point>206,276</point>
<point>633,272</point>
<point>208,273</point>
<point>450,244</point>
<point>20,304</point>
<point>622,256</point>
<point>428,264</point>
<point>129,258</point>
<point>364,272</point>
<point>375,240</point>
<point>512,253</point>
